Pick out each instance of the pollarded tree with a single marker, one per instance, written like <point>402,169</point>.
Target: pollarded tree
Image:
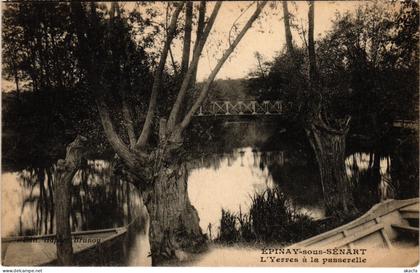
<point>374,49</point>
<point>327,135</point>
<point>357,69</point>
<point>158,170</point>
<point>326,132</point>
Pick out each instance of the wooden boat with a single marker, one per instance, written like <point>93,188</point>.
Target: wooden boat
<point>386,225</point>
<point>41,250</point>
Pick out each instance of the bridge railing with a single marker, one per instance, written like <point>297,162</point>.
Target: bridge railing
<point>241,107</point>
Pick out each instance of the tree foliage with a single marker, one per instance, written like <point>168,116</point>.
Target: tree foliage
<point>53,103</point>
<point>368,68</point>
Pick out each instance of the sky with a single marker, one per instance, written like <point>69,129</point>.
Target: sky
<point>266,36</point>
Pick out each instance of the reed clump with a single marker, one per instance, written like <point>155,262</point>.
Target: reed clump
<point>271,218</point>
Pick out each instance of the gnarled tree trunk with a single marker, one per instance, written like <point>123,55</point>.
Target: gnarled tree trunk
<point>328,142</point>
<point>329,146</point>
<point>174,223</point>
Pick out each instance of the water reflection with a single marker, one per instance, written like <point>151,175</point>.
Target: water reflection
<point>99,200</point>
<point>233,178</point>
<point>217,180</point>
<point>229,180</point>
<point>359,163</point>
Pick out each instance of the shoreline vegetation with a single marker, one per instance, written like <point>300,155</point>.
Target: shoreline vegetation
<point>272,219</point>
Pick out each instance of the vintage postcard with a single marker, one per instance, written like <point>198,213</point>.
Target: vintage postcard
<point>210,134</point>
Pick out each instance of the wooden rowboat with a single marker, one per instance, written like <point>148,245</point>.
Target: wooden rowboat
<point>41,250</point>
<point>385,225</point>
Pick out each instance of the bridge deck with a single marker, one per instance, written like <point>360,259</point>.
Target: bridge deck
<point>241,108</point>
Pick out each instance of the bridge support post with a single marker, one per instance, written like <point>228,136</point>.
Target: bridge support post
<point>266,107</point>
<point>227,107</point>
<point>240,107</point>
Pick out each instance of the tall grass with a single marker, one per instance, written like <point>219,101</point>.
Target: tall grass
<point>271,219</point>
<point>228,230</point>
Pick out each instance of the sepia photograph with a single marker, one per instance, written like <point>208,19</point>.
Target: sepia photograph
<point>210,134</point>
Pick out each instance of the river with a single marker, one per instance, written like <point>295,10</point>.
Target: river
<point>218,180</point>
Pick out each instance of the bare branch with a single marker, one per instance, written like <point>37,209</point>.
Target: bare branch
<point>210,79</point>
<point>187,38</point>
<point>259,57</point>
<point>286,20</point>
<point>185,83</point>
<point>236,20</point>
<point>173,61</point>
<point>158,78</point>
<point>200,29</point>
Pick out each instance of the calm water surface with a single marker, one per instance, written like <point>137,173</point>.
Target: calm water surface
<point>216,181</point>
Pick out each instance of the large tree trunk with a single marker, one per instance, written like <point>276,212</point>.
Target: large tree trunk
<point>62,212</point>
<point>329,143</point>
<point>329,146</point>
<point>65,171</point>
<point>174,223</point>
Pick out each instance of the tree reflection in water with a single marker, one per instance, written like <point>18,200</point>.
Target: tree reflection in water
<point>223,179</point>
<point>99,199</point>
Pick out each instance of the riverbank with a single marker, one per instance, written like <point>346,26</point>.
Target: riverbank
<point>240,255</point>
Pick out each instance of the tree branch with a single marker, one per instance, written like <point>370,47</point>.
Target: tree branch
<point>158,79</point>
<point>320,123</point>
<point>313,73</point>
<point>196,56</point>
<point>93,75</point>
<point>117,144</point>
<point>286,20</point>
<point>236,20</point>
<point>187,38</point>
<point>128,120</point>
<point>210,79</point>
<point>199,33</point>
<point>173,61</point>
